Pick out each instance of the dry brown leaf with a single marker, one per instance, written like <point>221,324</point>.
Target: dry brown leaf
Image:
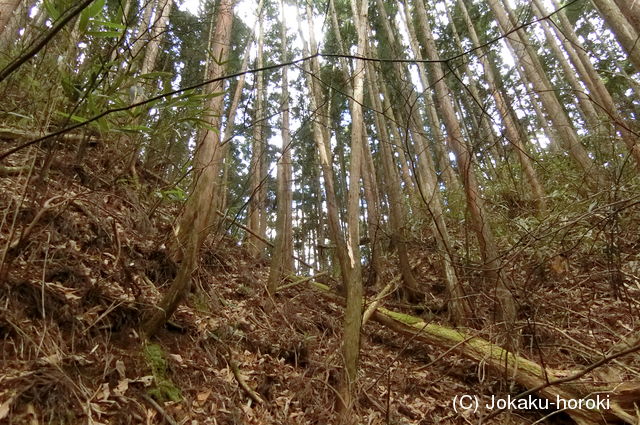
<point>6,406</point>
<point>203,396</point>
<point>122,388</point>
<point>31,411</point>
<point>177,357</point>
<point>104,392</point>
<point>52,360</point>
<point>150,415</point>
<point>121,368</point>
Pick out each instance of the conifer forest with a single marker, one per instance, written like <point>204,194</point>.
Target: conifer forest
<point>350,212</point>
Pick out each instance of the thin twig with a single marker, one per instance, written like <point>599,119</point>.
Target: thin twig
<point>167,417</point>
<point>239,378</point>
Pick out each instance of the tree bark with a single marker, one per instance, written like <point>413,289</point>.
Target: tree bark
<point>230,126</point>
<point>141,35</point>
<point>475,203</point>
<point>7,8</point>
<point>511,130</point>
<point>257,177</point>
<point>282,254</point>
<point>625,33</point>
<point>347,250</point>
<point>399,149</point>
<point>475,104</point>
<point>588,74</point>
<point>592,118</point>
<point>372,199</point>
<point>409,107</point>
<point>158,30</point>
<point>353,309</point>
<point>200,207</point>
<point>631,10</point>
<point>533,70</point>
<point>397,212</point>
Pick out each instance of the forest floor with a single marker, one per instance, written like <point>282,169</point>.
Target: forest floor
<point>85,254</point>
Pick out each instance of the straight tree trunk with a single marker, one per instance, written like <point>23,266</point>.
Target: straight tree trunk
<point>372,199</point>
<point>532,68</point>
<point>442,159</point>
<point>475,203</point>
<point>349,267</point>
<point>631,10</point>
<point>230,126</point>
<point>257,202</point>
<point>588,74</point>
<point>399,148</point>
<point>141,35</point>
<point>158,31</point>
<point>506,115</point>
<point>156,34</point>
<point>7,9</point>
<point>397,213</point>
<point>430,195</point>
<point>592,118</point>
<point>477,105</point>
<point>282,256</point>
<point>625,33</point>
<point>371,191</point>
<point>353,309</point>
<point>200,207</point>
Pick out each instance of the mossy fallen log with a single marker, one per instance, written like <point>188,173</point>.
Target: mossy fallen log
<point>549,383</point>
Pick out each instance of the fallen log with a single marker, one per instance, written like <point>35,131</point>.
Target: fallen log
<point>554,385</point>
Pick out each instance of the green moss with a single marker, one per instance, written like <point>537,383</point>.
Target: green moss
<point>164,390</point>
<point>201,303</point>
<point>245,291</point>
<point>404,318</point>
<point>321,286</point>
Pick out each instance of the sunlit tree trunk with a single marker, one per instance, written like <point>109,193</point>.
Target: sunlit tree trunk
<point>592,119</point>
<point>324,154</point>
<point>399,148</point>
<point>410,108</point>
<point>257,187</point>
<point>506,115</point>
<point>533,70</point>
<point>372,199</point>
<point>230,126</point>
<point>194,224</point>
<point>475,203</point>
<point>141,34</point>
<point>158,30</point>
<point>7,9</point>
<point>353,310</point>
<point>347,249</point>
<point>625,33</point>
<point>282,254</point>
<point>371,192</point>
<point>475,104</point>
<point>397,213</point>
<point>427,188</point>
<point>631,10</point>
<point>590,77</point>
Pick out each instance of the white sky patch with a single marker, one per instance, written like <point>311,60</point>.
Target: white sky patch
<point>404,37</point>
<point>191,5</point>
